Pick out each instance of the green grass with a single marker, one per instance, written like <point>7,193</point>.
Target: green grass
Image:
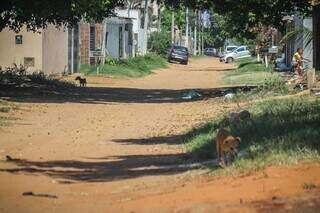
<point>5,109</point>
<point>6,120</point>
<point>6,106</point>
<point>280,132</point>
<point>309,186</point>
<point>130,68</point>
<point>249,72</point>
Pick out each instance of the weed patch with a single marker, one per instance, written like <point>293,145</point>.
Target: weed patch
<point>279,132</point>
<point>309,186</point>
<point>131,68</point>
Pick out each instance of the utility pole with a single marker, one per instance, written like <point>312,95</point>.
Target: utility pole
<point>145,26</point>
<point>195,34</point>
<point>172,28</point>
<point>187,28</point>
<point>202,39</point>
<point>159,16</point>
<point>199,40</point>
<point>104,38</point>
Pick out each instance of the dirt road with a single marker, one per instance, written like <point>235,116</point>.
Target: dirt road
<point>104,148</point>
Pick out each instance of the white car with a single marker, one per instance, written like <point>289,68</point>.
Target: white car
<point>228,49</point>
<point>240,52</point>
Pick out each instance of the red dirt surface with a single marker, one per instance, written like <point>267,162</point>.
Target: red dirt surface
<point>102,148</point>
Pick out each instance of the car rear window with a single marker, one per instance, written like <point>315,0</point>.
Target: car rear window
<point>181,48</point>
<point>231,48</point>
<point>241,49</point>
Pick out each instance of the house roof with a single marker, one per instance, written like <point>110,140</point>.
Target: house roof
<point>119,20</point>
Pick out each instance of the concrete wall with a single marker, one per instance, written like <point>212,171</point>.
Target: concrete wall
<point>135,15</point>
<point>113,40</point>
<point>316,36</point>
<point>31,46</point>
<point>54,50</point>
<point>308,48</point>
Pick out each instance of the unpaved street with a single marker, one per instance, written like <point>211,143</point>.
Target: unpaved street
<point>102,150</point>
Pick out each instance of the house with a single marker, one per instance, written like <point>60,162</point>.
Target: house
<point>135,11</point>
<point>311,50</point>
<point>48,50</point>
<point>111,38</point>
<point>294,23</point>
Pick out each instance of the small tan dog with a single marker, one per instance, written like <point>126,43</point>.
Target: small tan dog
<point>226,145</point>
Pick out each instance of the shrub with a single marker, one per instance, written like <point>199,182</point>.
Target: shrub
<point>17,77</point>
<point>133,67</point>
<point>159,42</point>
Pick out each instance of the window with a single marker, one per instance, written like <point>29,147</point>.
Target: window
<point>241,49</point>
<point>92,42</point>
<point>92,37</point>
<point>120,42</point>
<point>28,62</point>
<point>18,39</point>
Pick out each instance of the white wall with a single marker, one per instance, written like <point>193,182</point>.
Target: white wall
<point>113,40</point>
<point>10,52</point>
<point>55,50</point>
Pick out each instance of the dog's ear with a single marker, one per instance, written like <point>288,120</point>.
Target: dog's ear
<point>238,139</point>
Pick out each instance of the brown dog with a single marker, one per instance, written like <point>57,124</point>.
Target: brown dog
<point>226,144</point>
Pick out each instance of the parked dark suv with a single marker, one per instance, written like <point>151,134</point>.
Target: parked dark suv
<point>179,54</point>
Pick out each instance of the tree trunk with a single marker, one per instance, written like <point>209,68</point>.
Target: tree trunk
<point>202,40</point>
<point>199,24</point>
<point>145,27</point>
<point>187,28</point>
<point>195,39</point>
<point>159,17</point>
<point>172,28</point>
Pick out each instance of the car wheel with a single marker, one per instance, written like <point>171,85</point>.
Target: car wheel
<point>229,60</point>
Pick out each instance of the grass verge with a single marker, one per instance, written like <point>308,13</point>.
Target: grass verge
<point>5,108</point>
<point>131,68</point>
<point>279,132</point>
<point>248,72</point>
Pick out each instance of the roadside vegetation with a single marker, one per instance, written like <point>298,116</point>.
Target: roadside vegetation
<point>252,73</point>
<point>17,77</point>
<point>279,132</point>
<point>5,108</point>
<point>249,72</point>
<point>129,68</point>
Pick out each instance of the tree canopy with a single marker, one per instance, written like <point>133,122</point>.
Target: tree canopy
<point>35,14</point>
<point>241,16</point>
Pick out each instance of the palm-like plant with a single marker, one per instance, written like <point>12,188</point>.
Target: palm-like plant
<point>292,35</point>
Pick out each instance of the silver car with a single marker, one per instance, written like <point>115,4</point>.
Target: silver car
<point>240,52</point>
<point>228,49</point>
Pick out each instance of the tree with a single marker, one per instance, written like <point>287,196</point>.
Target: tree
<point>36,14</point>
<point>243,16</point>
<point>159,42</point>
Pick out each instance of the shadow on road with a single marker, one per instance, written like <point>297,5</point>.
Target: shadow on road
<point>169,140</point>
<point>103,169</point>
<point>104,95</point>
